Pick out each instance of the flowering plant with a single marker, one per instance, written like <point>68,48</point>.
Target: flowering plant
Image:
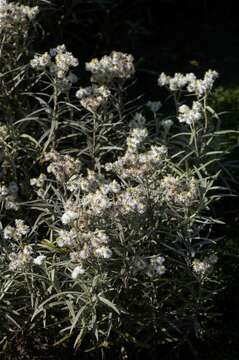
<point>111,242</point>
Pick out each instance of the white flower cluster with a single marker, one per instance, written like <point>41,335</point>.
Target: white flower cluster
<point>62,166</point>
<point>136,164</point>
<point>96,203</point>
<point>23,258</point>
<point>92,97</point>
<point>69,216</point>
<point>14,16</point>
<point>78,270</point>
<point>136,138</point>
<point>179,81</point>
<point>39,183</point>
<point>86,184</point>
<point>58,61</point>
<point>39,260</point>
<point>201,267</point>
<point>8,195</point>
<point>190,115</point>
<point>133,199</point>
<point>115,66</point>
<point>67,238</point>
<point>182,192</point>
<point>17,232</point>
<point>19,260</point>
<point>85,245</point>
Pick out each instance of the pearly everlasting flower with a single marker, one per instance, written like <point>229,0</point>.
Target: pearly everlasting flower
<point>190,115</point>
<point>78,270</point>
<point>21,259</point>
<point>17,232</point>
<point>181,192</point>
<point>200,267</point>
<point>69,216</point>
<point>8,195</point>
<point>96,203</point>
<point>58,62</point>
<point>15,18</point>
<point>39,260</point>
<point>132,200</point>
<point>3,3</point>
<point>62,166</point>
<point>66,238</point>
<point>99,238</point>
<point>137,136</point>
<point>115,66</point>
<point>92,97</point>
<point>40,61</point>
<point>103,252</point>
<point>38,182</point>
<point>193,85</point>
<point>163,79</point>
<point>9,232</point>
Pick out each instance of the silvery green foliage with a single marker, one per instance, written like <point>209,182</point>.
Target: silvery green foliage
<point>112,237</point>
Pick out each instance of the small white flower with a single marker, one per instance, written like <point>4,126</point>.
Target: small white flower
<point>39,260</point>
<point>78,270</point>
<point>69,216</point>
<point>163,79</point>
<point>200,267</point>
<point>103,252</point>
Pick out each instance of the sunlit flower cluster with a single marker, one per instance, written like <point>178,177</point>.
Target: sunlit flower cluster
<point>92,97</point>
<point>19,260</point>
<point>134,163</point>
<point>202,267</point>
<point>61,166</point>
<point>109,68</point>
<point>17,232</point>
<point>179,191</point>
<point>14,17</point>
<point>189,81</point>
<point>58,61</point>
<point>189,115</point>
